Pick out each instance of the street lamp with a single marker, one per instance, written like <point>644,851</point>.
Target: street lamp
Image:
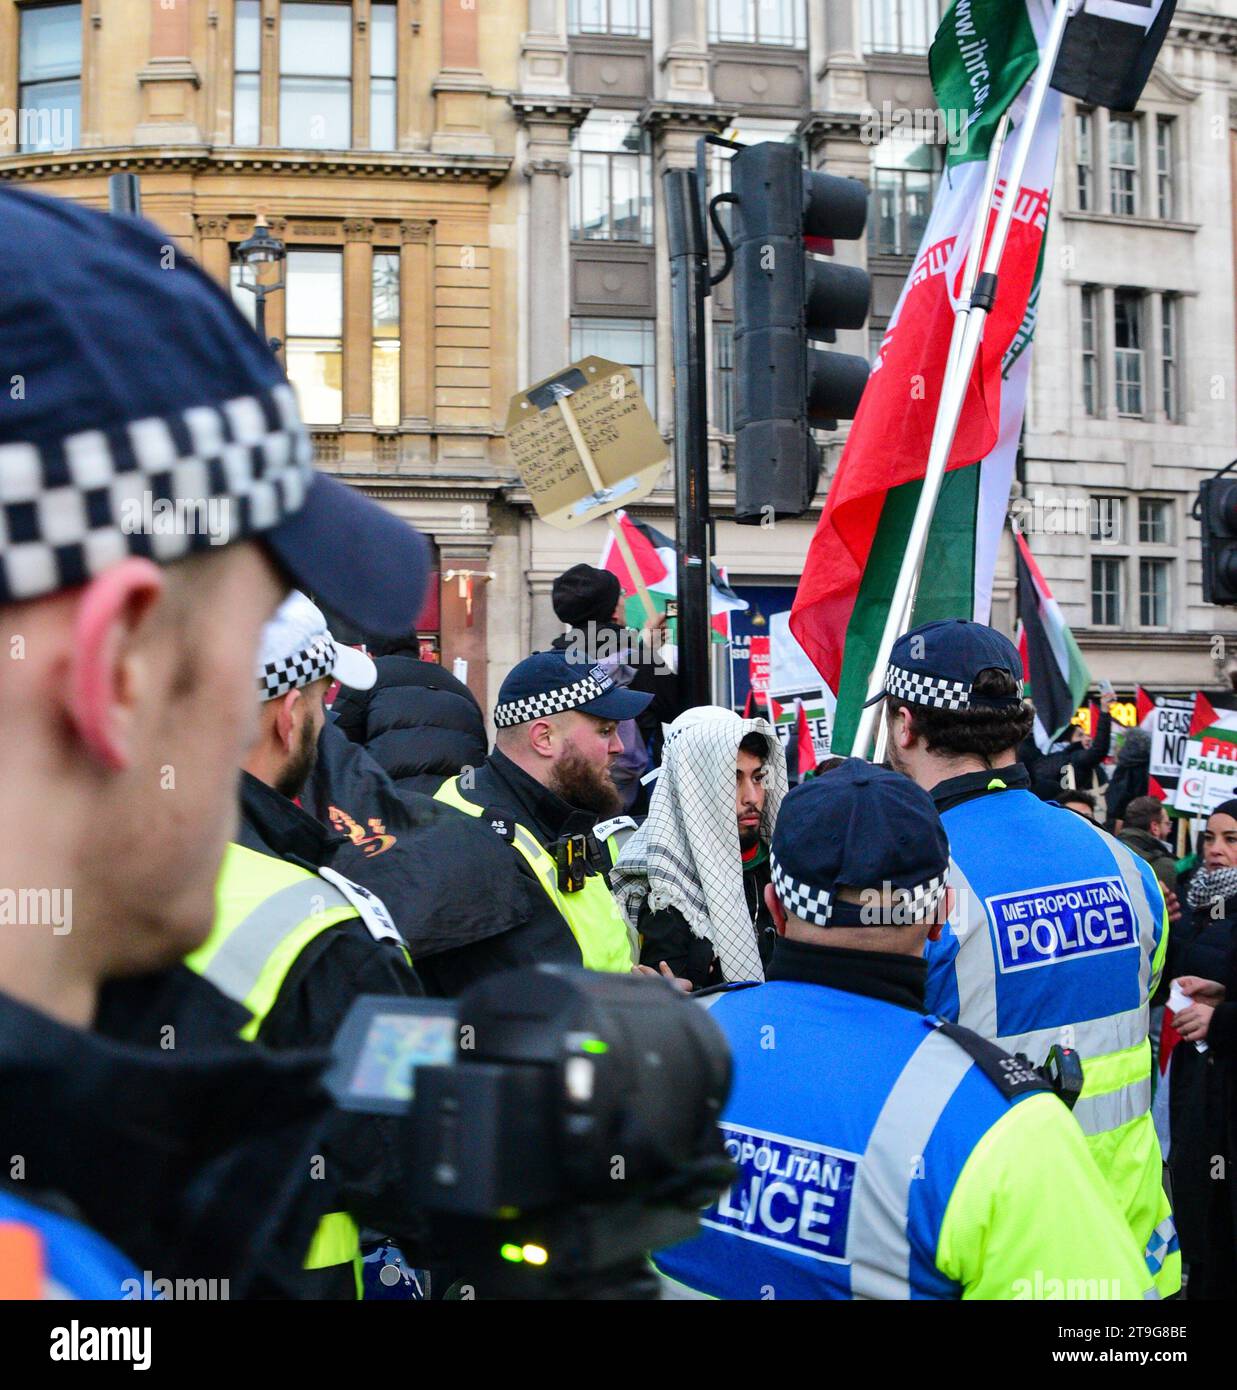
<point>255,251</point>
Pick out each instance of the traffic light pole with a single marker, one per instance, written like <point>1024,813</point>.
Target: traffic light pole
<point>689,284</point>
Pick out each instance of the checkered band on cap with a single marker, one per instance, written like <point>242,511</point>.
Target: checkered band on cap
<point>912,905</point>
<point>581,692</point>
<point>161,488</point>
<point>918,689</point>
<point>302,668</point>
<point>800,899</point>
<point>909,906</point>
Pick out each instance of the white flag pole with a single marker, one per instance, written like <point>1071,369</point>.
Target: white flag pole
<point>974,251</point>
<point>970,326</point>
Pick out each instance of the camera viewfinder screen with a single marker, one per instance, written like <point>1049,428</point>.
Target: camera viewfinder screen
<point>395,1045</point>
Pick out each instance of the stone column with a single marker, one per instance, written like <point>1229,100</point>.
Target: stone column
<point>269,81</point>
<point>413,114</point>
<point>1104,360</point>
<point>543,49</point>
<point>91,135</point>
<point>416,325</point>
<point>169,81</point>
<point>682,67</point>
<point>835,54</point>
<point>214,253</point>
<point>358,324</point>
<point>547,166</point>
<point>9,133</point>
<point>360,74</point>
<point>461,91</point>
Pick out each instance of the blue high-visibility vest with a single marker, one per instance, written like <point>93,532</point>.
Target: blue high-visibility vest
<point>63,1258</point>
<point>877,1159</point>
<point>1058,935</point>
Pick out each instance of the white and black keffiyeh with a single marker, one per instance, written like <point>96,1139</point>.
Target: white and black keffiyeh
<point>686,854</point>
<point>1209,886</point>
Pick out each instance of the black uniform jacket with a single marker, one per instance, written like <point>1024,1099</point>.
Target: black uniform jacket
<point>335,968</point>
<point>508,795</point>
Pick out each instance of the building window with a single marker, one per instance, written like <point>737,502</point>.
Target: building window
<point>382,76</point>
<point>1123,165</point>
<point>1155,521</point>
<point>1107,519</point>
<point>629,341</point>
<point>246,93</point>
<point>315,76</point>
<point>386,339</point>
<point>781,22</point>
<point>1127,352</point>
<point>1165,160</point>
<point>1153,592</point>
<point>1106,593</point>
<point>1084,159</point>
<point>899,26</point>
<point>611,193</point>
<point>904,178</point>
<point>723,377</point>
<point>1170,309</point>
<point>244,300</point>
<point>616,18</point>
<point>50,78</point>
<point>1090,360</point>
<point>314,305</point>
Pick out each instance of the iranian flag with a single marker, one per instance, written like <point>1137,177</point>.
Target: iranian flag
<point>982,59</point>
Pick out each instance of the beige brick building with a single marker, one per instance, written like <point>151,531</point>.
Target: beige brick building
<point>375,140</point>
<point>469,192</point>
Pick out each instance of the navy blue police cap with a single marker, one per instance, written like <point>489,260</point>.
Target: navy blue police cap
<point>547,683</point>
<point>861,827</point>
<point>145,395</point>
<point>936,664</point>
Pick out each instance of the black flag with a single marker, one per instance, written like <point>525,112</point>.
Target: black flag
<point>1109,48</point>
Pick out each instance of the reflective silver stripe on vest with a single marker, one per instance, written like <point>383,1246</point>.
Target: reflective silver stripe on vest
<point>1093,1037</point>
<point>975,963</point>
<point>237,964</point>
<point>975,972</point>
<point>878,1246</point>
<point>1097,1114</point>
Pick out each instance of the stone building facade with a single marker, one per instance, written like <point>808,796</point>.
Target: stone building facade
<point>470,195</point>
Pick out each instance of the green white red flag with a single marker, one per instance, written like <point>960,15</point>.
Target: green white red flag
<point>982,57</point>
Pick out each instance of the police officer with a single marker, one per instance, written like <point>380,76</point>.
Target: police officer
<point>294,942</point>
<point>546,789</point>
<point>150,521</point>
<point>882,1153</point>
<point>1059,932</point>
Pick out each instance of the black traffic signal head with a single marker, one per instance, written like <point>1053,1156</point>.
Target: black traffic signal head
<point>785,299</point>
<point>1217,504</point>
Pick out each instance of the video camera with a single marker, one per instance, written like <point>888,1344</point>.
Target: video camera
<point>561,1124</point>
<point>1062,1070</point>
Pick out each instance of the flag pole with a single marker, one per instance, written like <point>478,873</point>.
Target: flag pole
<point>970,326</point>
<point>969,274</point>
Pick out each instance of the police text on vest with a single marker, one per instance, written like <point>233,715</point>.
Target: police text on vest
<point>789,1193</point>
<point>1046,926</point>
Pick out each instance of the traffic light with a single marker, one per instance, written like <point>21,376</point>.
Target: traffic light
<point>1217,503</point>
<point>785,299</point>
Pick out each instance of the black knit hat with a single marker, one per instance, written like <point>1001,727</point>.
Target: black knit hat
<point>585,594</point>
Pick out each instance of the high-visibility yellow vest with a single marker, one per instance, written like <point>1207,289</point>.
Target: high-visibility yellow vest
<point>599,927</point>
<point>266,912</point>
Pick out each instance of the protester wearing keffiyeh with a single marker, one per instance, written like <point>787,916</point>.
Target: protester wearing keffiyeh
<point>685,865</point>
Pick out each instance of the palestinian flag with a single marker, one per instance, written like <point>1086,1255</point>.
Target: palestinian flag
<point>1052,665</point>
<point>800,749</point>
<point>1109,48</point>
<point>984,52</point>
<point>657,560</point>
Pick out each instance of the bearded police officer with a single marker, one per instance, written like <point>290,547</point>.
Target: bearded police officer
<point>546,789</point>
<point>1059,932</point>
<point>882,1153</point>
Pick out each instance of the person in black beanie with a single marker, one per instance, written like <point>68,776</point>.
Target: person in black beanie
<point>590,602</point>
